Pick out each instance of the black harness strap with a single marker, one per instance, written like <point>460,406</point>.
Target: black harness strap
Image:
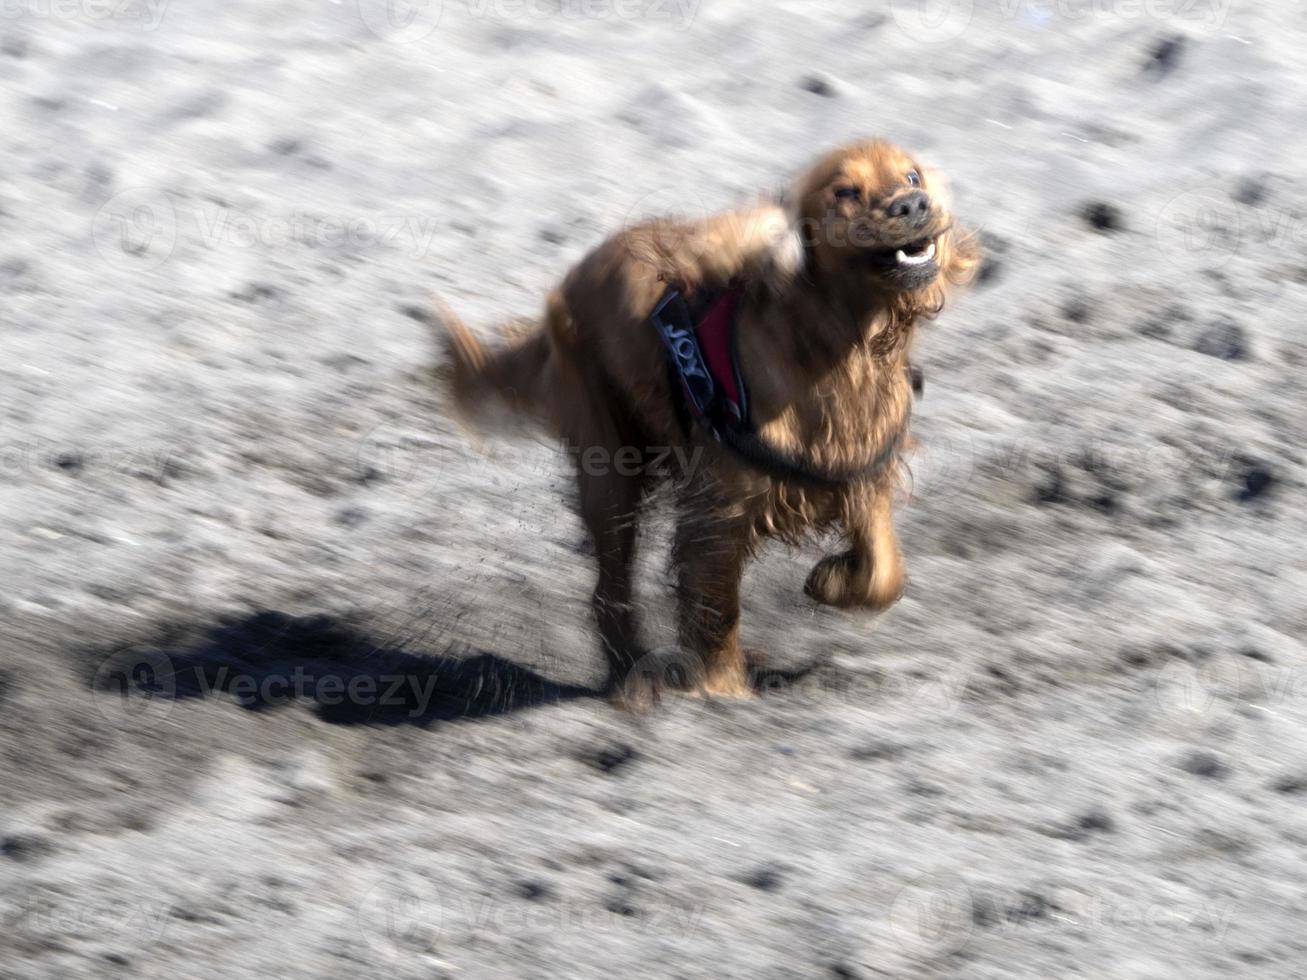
<point>728,419</point>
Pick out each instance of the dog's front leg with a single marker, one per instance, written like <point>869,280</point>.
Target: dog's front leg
<point>710,551</point>
<point>870,574</point>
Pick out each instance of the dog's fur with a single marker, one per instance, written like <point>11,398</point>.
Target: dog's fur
<point>824,330</point>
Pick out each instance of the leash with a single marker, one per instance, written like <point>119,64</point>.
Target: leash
<point>704,363</point>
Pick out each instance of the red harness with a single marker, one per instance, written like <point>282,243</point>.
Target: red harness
<point>716,332</point>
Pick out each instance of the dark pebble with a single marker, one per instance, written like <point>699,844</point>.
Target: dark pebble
<point>70,463</point>
<point>258,292</point>
<point>351,516</point>
<point>1250,191</point>
<point>1204,764</point>
<point>1103,216</point>
<point>1256,482</point>
<point>612,758</point>
<point>1225,339</point>
<point>817,86</point>
<point>766,879</point>
<point>1077,310</point>
<point>534,891</point>
<point>24,847</point>
<point>1165,56</point>
<point>1096,820</point>
<point>419,313</point>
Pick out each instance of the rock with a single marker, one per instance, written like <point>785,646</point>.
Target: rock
<point>1096,820</point>
<point>24,847</point>
<point>1102,216</point>
<point>818,85</point>
<point>1256,482</point>
<point>609,759</point>
<point>534,890</point>
<point>1250,191</point>
<point>766,878</point>
<point>1164,58</point>
<point>350,516</point>
<point>1204,764</point>
<point>1225,339</point>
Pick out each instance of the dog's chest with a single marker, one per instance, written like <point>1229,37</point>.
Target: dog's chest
<point>848,416</point>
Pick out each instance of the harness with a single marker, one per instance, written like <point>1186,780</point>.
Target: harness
<point>703,362</point>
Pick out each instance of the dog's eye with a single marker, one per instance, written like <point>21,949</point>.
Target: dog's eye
<point>848,194</point>
<point>914,178</point>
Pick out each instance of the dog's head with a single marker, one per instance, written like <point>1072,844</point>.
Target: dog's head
<point>873,218</point>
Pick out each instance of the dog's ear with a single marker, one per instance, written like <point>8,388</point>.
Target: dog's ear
<point>775,250</point>
<point>756,244</point>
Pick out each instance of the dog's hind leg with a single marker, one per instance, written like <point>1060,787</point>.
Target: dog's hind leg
<point>611,488</point>
<point>710,550</point>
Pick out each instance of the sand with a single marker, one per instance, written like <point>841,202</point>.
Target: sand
<point>1074,749</point>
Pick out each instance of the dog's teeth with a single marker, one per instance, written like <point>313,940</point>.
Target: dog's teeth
<point>919,259</point>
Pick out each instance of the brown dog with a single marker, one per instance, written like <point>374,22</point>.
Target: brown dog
<point>825,292</point>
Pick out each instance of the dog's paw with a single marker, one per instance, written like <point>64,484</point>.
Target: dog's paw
<point>653,676</point>
<point>727,682</point>
<point>636,698</point>
<point>845,582</point>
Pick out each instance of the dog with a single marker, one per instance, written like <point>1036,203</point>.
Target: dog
<point>796,422</point>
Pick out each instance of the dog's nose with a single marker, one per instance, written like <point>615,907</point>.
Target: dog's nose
<point>911,207</point>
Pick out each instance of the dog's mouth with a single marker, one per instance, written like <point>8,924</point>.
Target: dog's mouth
<point>910,265</point>
<point>915,254</point>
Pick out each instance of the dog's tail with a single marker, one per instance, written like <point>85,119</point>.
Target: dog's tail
<point>520,373</point>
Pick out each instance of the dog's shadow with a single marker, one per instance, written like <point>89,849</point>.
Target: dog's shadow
<point>346,675</point>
